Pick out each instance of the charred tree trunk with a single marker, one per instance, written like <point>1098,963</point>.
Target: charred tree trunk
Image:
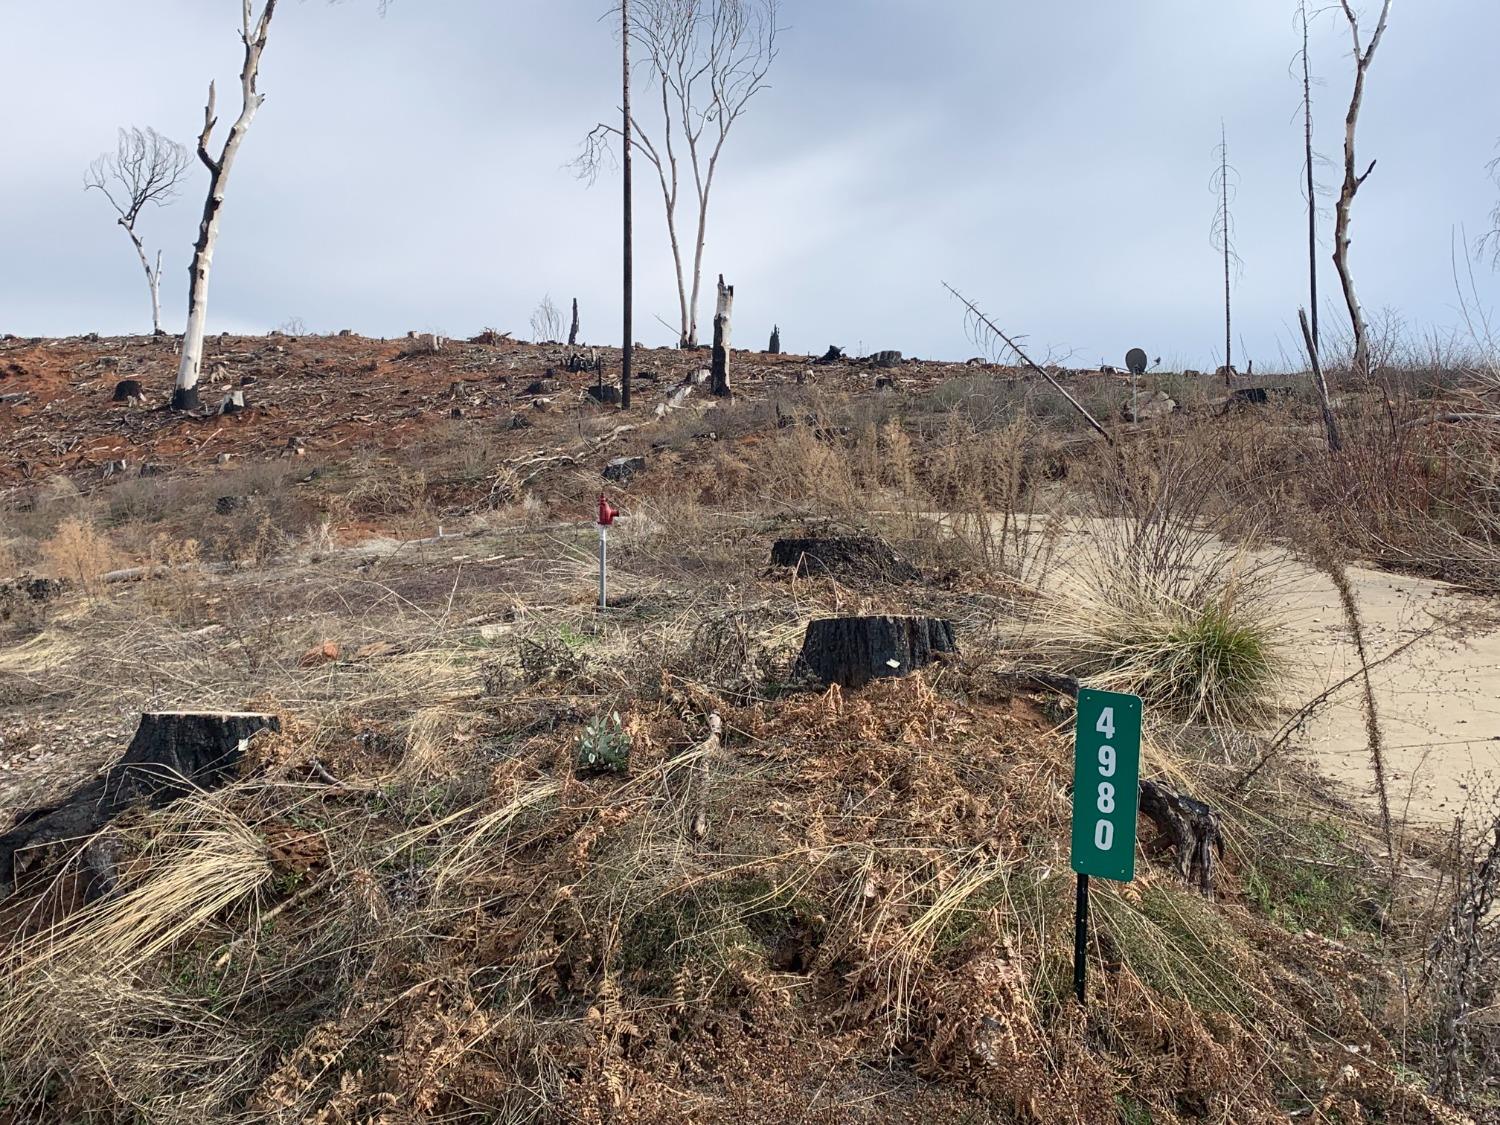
<point>171,755</point>
<point>850,557</point>
<point>775,348</point>
<point>722,324</point>
<point>185,393</point>
<point>1312,187</point>
<point>1228,249</point>
<point>852,651</point>
<point>627,343</point>
<point>573,330</point>
<point>1190,826</point>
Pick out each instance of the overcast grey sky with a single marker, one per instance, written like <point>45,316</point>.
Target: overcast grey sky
<point>1051,159</point>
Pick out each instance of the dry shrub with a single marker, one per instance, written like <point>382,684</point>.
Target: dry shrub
<point>897,469</point>
<point>725,480</point>
<point>81,553</point>
<point>810,465</point>
<point>10,559</point>
<point>1405,491</point>
<point>180,588</point>
<point>1214,657</point>
<point>88,1007</point>
<point>981,482</point>
<point>1421,497</point>
<point>382,489</point>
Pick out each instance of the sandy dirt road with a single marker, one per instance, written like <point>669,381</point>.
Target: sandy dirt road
<point>1438,701</point>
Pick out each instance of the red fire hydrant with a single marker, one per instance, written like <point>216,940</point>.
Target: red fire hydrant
<point>607,514</point>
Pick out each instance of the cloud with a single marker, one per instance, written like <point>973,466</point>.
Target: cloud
<point>410,171</point>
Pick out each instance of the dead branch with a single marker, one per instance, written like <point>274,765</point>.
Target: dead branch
<point>1330,423</point>
<point>1013,346</point>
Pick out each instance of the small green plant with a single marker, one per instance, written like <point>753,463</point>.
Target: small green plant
<point>604,746</point>
<point>1308,877</point>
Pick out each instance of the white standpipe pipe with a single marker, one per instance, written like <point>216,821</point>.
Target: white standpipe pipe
<point>603,563</point>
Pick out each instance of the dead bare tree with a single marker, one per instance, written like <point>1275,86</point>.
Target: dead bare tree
<point>1312,187</point>
<point>1325,402</point>
<point>1224,185</point>
<point>1492,239</point>
<point>146,168</point>
<point>253,32</point>
<point>708,58</point>
<point>1364,55</point>
<point>627,223</point>
<point>986,330</point>
<point>546,322</point>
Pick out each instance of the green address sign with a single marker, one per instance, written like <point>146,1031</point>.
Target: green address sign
<point>1106,773</point>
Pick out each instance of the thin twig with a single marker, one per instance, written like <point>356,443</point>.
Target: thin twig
<point>1013,346</point>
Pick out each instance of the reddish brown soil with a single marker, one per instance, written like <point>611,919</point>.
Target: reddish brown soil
<point>335,394</point>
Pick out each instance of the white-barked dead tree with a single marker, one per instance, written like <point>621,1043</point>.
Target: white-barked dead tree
<point>146,169</point>
<point>1364,55</point>
<point>253,32</point>
<point>708,59</point>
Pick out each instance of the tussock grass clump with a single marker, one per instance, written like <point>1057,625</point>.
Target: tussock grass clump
<point>1206,653</point>
<point>93,1004</point>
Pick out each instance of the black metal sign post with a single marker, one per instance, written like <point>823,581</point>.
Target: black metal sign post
<point>1106,770</point>
<point>1081,940</point>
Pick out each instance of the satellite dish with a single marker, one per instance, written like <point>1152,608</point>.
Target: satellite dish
<point>1136,361</point>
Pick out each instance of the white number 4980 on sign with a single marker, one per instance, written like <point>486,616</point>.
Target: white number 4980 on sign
<point>1104,784</point>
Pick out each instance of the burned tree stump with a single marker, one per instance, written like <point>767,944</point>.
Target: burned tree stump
<point>1193,828</point>
<point>852,651</point>
<point>128,390</point>
<point>723,326</point>
<point>852,557</point>
<point>172,754</point>
<point>21,597</point>
<point>775,345</point>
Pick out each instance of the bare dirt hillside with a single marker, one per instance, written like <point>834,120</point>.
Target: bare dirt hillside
<point>509,857</point>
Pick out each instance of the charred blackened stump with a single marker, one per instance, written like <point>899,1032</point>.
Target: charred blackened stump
<point>172,754</point>
<point>1193,828</point>
<point>852,557</point>
<point>852,651</point>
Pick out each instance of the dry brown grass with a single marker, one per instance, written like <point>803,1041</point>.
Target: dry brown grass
<point>460,926</point>
<point>79,552</point>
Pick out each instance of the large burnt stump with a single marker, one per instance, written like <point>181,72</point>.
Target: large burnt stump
<point>852,651</point>
<point>172,754</point>
<point>849,557</point>
<point>128,390</point>
<point>1190,826</point>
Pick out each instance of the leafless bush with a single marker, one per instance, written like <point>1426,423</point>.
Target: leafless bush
<point>81,553</point>
<point>546,323</point>
<point>1463,967</point>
